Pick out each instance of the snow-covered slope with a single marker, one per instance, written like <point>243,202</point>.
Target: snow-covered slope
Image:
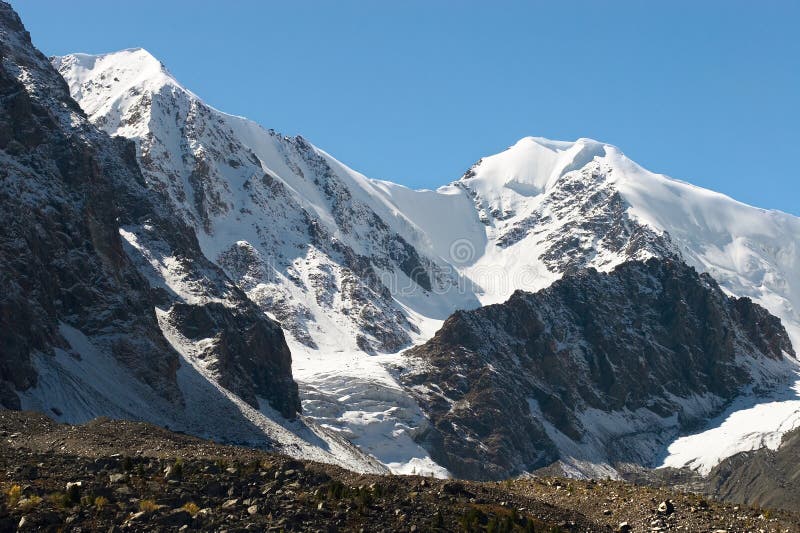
<point>310,240</point>
<point>352,266</point>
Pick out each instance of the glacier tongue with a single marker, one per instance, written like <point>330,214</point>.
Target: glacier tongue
<point>356,270</point>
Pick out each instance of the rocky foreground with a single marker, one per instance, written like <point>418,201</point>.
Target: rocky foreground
<point>116,475</point>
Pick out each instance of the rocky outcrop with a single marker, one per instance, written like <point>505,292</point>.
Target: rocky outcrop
<point>598,367</point>
<point>68,192</point>
<point>582,221</point>
<point>247,353</point>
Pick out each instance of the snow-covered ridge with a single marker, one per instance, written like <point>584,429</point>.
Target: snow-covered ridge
<point>352,265</point>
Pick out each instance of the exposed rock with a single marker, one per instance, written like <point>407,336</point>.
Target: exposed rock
<point>635,345</point>
<point>314,245</point>
<point>666,507</point>
<point>61,257</point>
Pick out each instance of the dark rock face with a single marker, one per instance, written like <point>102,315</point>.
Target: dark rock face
<point>249,353</point>
<point>61,259</point>
<point>497,383</point>
<point>66,190</point>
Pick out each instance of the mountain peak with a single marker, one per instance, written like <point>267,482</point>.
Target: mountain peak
<point>532,163</point>
<point>124,73</point>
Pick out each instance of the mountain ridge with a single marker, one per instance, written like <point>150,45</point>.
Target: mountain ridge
<point>596,370</point>
<point>520,219</point>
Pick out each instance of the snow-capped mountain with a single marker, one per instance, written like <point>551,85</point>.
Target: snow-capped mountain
<point>307,238</point>
<point>88,326</point>
<point>356,269</point>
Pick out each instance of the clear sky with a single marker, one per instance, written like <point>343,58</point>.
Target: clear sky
<point>416,91</point>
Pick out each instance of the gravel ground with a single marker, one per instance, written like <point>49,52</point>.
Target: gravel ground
<point>117,475</point>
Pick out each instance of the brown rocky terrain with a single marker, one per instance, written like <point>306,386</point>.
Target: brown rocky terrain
<point>129,476</point>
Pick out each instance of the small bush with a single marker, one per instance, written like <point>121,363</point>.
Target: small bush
<point>336,490</point>
<point>191,508</point>
<point>100,502</point>
<point>148,506</point>
<point>14,494</point>
<point>29,503</point>
<point>438,522</point>
<point>177,469</point>
<point>59,500</point>
<point>472,520</point>
<point>363,498</point>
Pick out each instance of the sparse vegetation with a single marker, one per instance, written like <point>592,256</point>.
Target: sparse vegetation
<point>27,504</point>
<point>191,508</point>
<point>13,495</point>
<point>100,502</point>
<point>148,506</point>
<point>58,500</point>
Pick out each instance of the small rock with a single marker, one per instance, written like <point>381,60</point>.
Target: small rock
<point>173,472</point>
<point>624,527</point>
<point>116,478</point>
<point>230,503</point>
<point>176,517</point>
<point>253,509</point>
<point>666,507</point>
<point>607,512</point>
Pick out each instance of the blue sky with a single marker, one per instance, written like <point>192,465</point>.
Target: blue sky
<point>417,91</point>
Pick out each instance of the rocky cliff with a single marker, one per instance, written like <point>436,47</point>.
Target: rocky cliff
<point>597,368</point>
